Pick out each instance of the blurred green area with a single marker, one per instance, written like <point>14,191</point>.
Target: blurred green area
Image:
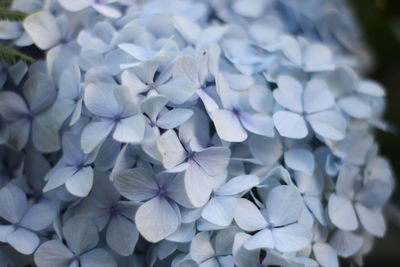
<point>380,23</point>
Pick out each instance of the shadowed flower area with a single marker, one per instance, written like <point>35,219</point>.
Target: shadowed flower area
<point>218,133</point>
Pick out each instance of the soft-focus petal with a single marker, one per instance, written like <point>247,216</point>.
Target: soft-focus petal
<point>341,212</point>
<point>42,27</point>
<point>97,257</point>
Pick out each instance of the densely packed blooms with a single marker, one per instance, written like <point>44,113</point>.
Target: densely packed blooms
<point>189,133</point>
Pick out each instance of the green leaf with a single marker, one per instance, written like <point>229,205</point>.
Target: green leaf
<point>11,55</point>
<point>12,15</point>
<point>5,3</point>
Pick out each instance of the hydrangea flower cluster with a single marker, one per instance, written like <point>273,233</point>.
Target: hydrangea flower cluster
<point>189,133</point>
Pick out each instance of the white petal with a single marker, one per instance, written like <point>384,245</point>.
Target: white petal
<point>259,144</point>
<point>80,183</point>
<point>248,217</point>
<point>300,159</point>
<point>290,124</point>
<point>42,27</point>
<point>289,93</point>
<point>341,212</point>
<point>317,96</point>
<point>291,238</point>
<point>329,124</point>
<point>156,219</point>
<point>284,205</point>
<point>228,126</point>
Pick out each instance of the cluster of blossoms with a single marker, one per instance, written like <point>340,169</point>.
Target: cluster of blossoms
<point>189,133</point>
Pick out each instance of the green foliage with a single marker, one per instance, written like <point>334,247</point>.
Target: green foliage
<point>11,55</point>
<point>8,54</point>
<point>5,3</point>
<point>12,15</point>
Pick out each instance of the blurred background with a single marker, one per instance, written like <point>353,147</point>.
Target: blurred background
<point>380,23</point>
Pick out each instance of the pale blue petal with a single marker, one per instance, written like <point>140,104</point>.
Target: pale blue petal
<point>130,130</point>
<point>220,210</point>
<point>94,134</point>
<point>136,184</point>
<point>346,243</point>
<point>317,96</point>
<point>228,126</point>
<point>53,253</point>
<point>248,217</point>
<point>13,203</point>
<point>81,234</point>
<point>38,217</point>
<point>291,238</point>
<point>97,257</point>
<point>23,240</point>
<point>122,235</point>
<point>201,248</point>
<point>284,205</point>
<point>289,93</point>
<point>173,118</point>
<point>156,219</point>
<point>290,124</point>
<point>262,239</point>
<point>341,212</point>
<point>80,183</point>
<point>300,159</point>
<point>328,124</point>
<point>238,184</point>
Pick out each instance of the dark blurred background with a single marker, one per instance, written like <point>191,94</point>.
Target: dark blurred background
<point>380,23</point>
